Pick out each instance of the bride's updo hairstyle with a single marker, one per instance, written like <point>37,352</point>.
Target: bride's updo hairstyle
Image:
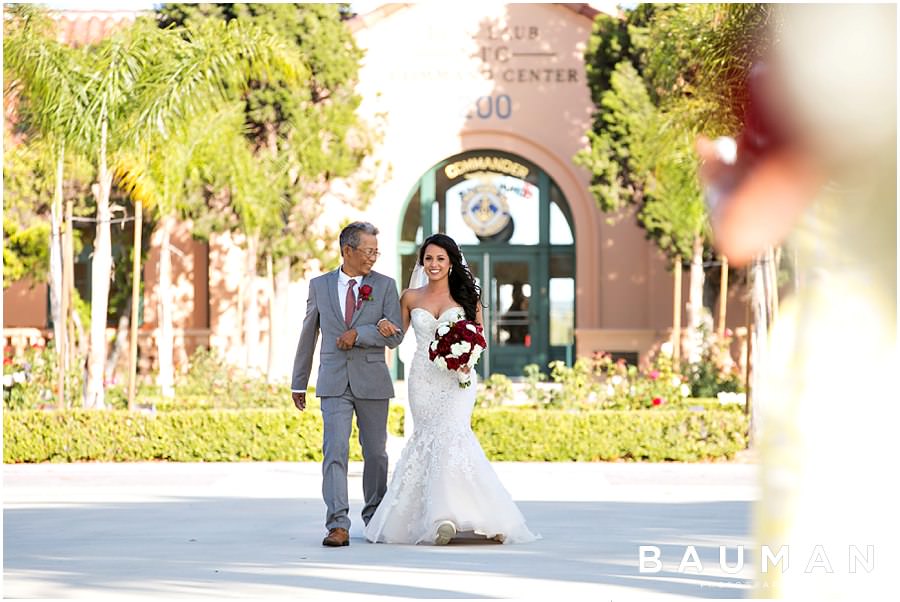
<point>462,284</point>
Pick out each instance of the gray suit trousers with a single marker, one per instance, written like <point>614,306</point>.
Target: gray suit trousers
<point>371,418</point>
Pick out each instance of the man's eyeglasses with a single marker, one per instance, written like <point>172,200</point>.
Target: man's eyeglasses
<point>370,252</point>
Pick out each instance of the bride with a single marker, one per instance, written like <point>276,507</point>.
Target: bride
<point>443,483</point>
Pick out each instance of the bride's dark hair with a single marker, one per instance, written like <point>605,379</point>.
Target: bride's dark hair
<point>462,284</point>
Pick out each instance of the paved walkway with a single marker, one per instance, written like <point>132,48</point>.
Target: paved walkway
<point>160,530</point>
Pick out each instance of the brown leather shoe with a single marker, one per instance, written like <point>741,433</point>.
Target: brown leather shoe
<point>337,538</point>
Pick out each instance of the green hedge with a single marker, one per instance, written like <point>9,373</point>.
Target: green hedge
<point>650,435</point>
<point>288,435</point>
<point>182,436</point>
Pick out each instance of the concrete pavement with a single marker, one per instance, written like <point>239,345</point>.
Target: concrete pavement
<point>161,530</point>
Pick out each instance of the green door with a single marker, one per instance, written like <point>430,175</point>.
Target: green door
<point>512,222</point>
<point>514,316</point>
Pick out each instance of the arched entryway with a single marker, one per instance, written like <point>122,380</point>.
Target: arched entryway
<point>514,226</point>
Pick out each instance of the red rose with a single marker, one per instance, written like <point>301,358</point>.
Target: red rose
<point>457,331</point>
<point>365,293</point>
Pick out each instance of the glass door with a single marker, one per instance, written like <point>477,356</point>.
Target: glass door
<point>513,320</point>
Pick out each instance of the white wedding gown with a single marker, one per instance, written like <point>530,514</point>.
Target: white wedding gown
<point>443,473</point>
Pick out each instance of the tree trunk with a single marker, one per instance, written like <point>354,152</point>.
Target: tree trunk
<point>251,304</point>
<point>695,303</point>
<point>724,351</point>
<point>135,303</point>
<point>165,338</point>
<point>119,346</point>
<point>723,299</point>
<point>270,298</point>
<point>676,316</point>
<point>757,337</point>
<point>69,284</point>
<point>101,271</point>
<point>57,288</point>
<point>279,314</point>
<point>81,356</point>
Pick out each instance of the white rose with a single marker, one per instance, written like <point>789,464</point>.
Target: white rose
<point>443,329</point>
<point>457,349</point>
<point>440,362</point>
<point>471,327</point>
<point>685,390</point>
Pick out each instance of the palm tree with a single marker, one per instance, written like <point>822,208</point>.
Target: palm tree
<point>212,149</point>
<point>48,83</point>
<point>159,177</point>
<point>142,81</point>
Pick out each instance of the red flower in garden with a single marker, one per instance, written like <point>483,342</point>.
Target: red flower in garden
<point>654,375</point>
<point>658,401</point>
<point>365,294</point>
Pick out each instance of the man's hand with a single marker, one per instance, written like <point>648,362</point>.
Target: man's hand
<point>346,340</point>
<point>299,400</point>
<point>386,328</point>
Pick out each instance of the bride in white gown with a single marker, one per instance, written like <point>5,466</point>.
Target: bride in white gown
<point>443,483</point>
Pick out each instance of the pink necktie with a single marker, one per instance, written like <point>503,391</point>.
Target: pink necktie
<point>349,303</point>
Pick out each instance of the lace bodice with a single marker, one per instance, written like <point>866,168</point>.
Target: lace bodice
<point>437,401</point>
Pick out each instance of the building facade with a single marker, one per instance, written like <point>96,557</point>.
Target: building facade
<point>484,108</point>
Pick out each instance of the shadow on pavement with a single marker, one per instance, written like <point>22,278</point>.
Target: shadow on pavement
<point>198,545</point>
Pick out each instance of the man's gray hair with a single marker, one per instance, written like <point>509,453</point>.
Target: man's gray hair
<point>350,234</point>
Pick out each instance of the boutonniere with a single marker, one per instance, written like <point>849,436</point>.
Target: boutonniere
<point>365,294</point>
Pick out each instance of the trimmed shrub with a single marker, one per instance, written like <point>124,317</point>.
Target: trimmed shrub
<point>648,435</point>
<point>182,436</point>
<point>287,435</point>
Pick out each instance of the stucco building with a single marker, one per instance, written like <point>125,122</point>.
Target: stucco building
<point>485,107</point>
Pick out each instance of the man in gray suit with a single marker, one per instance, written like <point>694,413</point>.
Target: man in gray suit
<point>347,305</point>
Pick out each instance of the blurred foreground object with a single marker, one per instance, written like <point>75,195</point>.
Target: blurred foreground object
<point>824,183</point>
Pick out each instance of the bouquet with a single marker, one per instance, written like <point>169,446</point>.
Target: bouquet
<point>457,344</point>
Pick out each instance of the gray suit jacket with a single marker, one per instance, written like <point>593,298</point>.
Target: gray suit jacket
<point>363,367</point>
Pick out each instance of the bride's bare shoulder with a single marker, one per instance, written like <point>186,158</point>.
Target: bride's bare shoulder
<point>412,293</point>
<point>409,296</point>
